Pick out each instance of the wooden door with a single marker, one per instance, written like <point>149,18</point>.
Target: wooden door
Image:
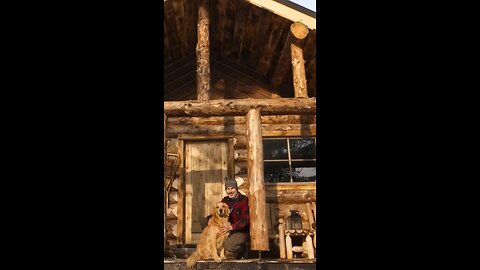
<point>205,170</point>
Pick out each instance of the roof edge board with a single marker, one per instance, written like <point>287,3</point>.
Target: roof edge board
<point>286,12</point>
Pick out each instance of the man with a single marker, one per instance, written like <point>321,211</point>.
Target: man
<point>239,219</point>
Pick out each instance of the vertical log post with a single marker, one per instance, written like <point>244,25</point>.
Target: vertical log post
<point>288,244</point>
<point>257,199</point>
<point>281,238</point>
<point>299,31</point>
<point>310,252</point>
<point>309,215</point>
<point>164,193</point>
<point>314,208</point>
<point>203,54</point>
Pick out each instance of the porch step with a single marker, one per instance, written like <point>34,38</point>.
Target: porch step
<point>245,264</point>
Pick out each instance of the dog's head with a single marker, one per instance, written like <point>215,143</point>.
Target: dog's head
<point>221,210</point>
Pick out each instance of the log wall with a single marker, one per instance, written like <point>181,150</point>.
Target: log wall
<point>280,198</point>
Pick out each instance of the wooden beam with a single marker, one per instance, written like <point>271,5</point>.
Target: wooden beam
<point>240,120</point>
<point>281,238</point>
<point>300,31</point>
<point>286,12</point>
<point>174,131</point>
<point>291,196</point>
<point>165,202</point>
<point>181,195</point>
<point>228,107</point>
<point>257,201</point>
<point>283,64</point>
<point>203,55</point>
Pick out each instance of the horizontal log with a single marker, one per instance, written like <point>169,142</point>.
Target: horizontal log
<point>312,186</point>
<point>171,227</point>
<point>240,155</point>
<point>289,133</point>
<point>173,197</point>
<point>174,131</point>
<point>237,169</point>
<point>240,107</point>
<point>242,167</point>
<point>291,196</point>
<point>240,141</point>
<point>240,120</point>
<point>172,212</point>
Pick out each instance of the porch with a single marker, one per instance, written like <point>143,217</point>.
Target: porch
<point>244,264</point>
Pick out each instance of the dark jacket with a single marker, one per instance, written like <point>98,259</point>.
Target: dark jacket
<point>239,213</point>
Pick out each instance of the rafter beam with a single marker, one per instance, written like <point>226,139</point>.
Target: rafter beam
<point>286,12</point>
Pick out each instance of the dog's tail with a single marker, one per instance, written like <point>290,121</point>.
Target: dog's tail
<point>192,260</point>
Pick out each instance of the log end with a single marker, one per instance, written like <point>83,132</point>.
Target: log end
<point>299,30</point>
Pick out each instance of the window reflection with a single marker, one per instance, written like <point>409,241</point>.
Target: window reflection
<point>289,160</point>
<point>277,172</point>
<point>302,148</point>
<point>304,171</point>
<point>275,149</point>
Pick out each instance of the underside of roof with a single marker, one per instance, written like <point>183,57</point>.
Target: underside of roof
<point>249,50</point>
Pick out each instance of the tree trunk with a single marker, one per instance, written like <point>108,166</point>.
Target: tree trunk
<point>257,203</point>
<point>203,55</point>
<point>227,107</point>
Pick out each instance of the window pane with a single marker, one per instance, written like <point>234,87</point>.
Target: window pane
<point>275,149</point>
<point>302,148</point>
<point>276,172</point>
<point>304,171</point>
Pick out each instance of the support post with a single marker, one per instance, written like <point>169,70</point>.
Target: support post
<point>281,238</point>
<point>288,244</point>
<point>164,191</point>
<point>309,215</point>
<point>257,199</point>
<point>203,54</point>
<point>310,252</point>
<point>299,31</point>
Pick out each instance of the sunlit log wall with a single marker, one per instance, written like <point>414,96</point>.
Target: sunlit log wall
<point>279,200</point>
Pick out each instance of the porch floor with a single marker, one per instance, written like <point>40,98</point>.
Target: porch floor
<point>244,264</point>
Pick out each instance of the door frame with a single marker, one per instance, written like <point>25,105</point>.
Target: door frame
<point>182,139</point>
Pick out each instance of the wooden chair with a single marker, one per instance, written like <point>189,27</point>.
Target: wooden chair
<point>308,236</point>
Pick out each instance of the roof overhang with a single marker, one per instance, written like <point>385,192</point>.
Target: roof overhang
<point>285,12</point>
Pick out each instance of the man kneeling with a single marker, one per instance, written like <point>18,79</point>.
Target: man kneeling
<point>235,244</point>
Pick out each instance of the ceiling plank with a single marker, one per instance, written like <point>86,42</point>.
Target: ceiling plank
<point>239,32</point>
<point>229,28</point>
<point>169,16</point>
<point>258,43</point>
<point>180,24</point>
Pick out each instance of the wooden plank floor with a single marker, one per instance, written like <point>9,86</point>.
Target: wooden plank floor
<point>245,264</point>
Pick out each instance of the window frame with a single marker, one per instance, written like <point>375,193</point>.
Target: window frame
<point>290,157</point>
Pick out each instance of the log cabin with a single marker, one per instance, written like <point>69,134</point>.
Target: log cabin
<point>240,102</point>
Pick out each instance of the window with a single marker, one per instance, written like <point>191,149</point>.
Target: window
<point>289,159</point>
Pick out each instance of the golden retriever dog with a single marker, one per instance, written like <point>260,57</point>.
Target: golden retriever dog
<point>211,240</point>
